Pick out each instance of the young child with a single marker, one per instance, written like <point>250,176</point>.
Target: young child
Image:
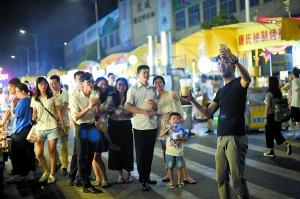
<point>174,148</point>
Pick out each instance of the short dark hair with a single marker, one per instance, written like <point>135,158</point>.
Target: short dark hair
<point>296,72</point>
<point>174,114</point>
<point>14,81</point>
<point>86,76</point>
<point>110,74</point>
<point>78,73</point>
<point>159,77</point>
<point>142,67</point>
<point>55,77</point>
<point>22,87</point>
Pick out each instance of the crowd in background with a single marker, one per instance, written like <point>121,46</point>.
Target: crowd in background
<point>108,115</point>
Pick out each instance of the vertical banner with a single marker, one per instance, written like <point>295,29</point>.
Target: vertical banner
<point>125,25</point>
<point>164,11</point>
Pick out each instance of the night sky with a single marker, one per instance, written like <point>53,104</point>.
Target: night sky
<point>54,22</point>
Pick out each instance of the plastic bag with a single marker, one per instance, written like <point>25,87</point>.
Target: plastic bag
<point>33,135</point>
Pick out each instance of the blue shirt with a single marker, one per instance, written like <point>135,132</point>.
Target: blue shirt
<point>23,113</point>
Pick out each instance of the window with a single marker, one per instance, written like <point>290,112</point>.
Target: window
<point>117,39</point>
<point>209,9</point>
<point>180,20</point>
<point>242,4</point>
<point>254,2</point>
<point>104,42</point>
<point>228,5</point>
<point>111,40</point>
<point>194,15</point>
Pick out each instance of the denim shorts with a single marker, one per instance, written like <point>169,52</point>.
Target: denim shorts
<point>174,161</point>
<point>49,134</point>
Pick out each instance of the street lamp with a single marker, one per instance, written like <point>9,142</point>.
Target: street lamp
<point>22,31</point>
<point>19,58</point>
<point>95,2</point>
<point>27,53</point>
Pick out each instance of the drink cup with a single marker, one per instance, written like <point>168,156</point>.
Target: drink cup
<point>175,136</point>
<point>185,87</point>
<point>223,47</point>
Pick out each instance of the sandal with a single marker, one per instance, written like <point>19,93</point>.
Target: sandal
<point>105,184</point>
<point>165,179</point>
<point>120,180</point>
<point>171,186</point>
<point>96,183</point>
<point>190,180</point>
<point>129,180</point>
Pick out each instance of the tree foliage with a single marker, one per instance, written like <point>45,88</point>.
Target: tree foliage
<point>224,18</point>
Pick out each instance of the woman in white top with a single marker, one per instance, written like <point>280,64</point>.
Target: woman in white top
<point>167,102</point>
<point>295,100</point>
<point>44,114</point>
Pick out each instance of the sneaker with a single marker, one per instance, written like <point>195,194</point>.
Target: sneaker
<point>209,131</point>
<point>51,179</point>
<point>57,167</point>
<point>180,185</point>
<point>91,189</point>
<point>64,171</point>
<point>144,187</point>
<point>44,177</point>
<point>269,153</point>
<point>288,149</point>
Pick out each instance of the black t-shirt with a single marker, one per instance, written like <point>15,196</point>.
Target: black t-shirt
<point>232,102</point>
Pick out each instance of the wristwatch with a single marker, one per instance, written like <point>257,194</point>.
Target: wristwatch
<point>236,60</point>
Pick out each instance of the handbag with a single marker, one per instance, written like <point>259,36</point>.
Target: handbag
<point>33,135</point>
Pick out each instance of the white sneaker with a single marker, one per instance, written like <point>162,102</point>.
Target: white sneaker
<point>51,179</point>
<point>44,177</point>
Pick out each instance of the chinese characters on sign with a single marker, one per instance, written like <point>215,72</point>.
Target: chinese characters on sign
<point>144,11</point>
<point>258,37</point>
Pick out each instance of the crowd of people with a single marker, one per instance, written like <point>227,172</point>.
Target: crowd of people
<point>106,115</point>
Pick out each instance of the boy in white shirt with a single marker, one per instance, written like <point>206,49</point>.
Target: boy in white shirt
<point>174,148</point>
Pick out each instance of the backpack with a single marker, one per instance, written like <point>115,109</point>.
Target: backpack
<point>282,112</point>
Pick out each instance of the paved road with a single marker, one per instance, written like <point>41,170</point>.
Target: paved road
<point>268,178</point>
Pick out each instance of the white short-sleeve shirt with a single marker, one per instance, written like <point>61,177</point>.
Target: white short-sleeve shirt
<point>137,95</point>
<point>62,98</point>
<point>44,120</point>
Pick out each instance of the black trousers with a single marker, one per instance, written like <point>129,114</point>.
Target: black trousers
<point>144,147</point>
<point>88,136</point>
<point>74,162</point>
<point>22,153</point>
<point>273,131</point>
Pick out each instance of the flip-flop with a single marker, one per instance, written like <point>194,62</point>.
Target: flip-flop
<point>120,180</point>
<point>165,179</point>
<point>129,180</point>
<point>190,181</point>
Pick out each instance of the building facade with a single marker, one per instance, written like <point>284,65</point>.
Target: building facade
<point>128,26</point>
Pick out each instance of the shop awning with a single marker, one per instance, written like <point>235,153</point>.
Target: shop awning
<point>87,65</point>
<point>113,58</point>
<point>55,71</point>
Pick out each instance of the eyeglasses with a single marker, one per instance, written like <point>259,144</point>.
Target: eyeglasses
<point>91,82</point>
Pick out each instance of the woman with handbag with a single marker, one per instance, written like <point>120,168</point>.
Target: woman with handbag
<point>167,102</point>
<point>272,127</point>
<point>45,112</point>
<point>22,152</point>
